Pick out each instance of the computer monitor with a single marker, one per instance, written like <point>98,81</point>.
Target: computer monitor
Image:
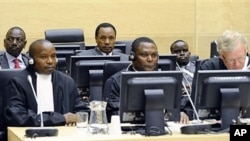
<point>118,47</point>
<point>146,94</point>
<point>5,76</point>
<point>227,91</point>
<point>167,62</point>
<point>63,53</point>
<point>87,71</point>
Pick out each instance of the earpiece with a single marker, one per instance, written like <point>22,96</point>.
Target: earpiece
<point>31,61</point>
<point>132,56</point>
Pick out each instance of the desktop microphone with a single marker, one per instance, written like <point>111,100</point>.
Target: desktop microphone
<point>188,94</point>
<point>39,131</point>
<point>196,126</point>
<point>38,102</point>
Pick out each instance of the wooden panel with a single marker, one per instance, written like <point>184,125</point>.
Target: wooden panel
<point>196,21</point>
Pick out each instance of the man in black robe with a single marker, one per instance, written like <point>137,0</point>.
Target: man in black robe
<point>41,89</point>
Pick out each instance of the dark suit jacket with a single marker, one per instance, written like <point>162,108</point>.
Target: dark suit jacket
<point>4,62</point>
<point>95,51</point>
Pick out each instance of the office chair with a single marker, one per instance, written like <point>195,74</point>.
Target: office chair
<point>194,57</point>
<point>213,49</point>
<point>66,41</point>
<point>109,69</point>
<point>74,35</point>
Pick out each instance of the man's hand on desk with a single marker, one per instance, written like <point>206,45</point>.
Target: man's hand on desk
<point>184,119</point>
<point>70,119</point>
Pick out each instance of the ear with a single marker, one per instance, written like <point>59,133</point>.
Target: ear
<point>221,57</point>
<point>25,42</point>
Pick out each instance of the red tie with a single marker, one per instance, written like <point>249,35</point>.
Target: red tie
<point>16,62</point>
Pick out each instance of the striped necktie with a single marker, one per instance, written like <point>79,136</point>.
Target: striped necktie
<point>16,63</point>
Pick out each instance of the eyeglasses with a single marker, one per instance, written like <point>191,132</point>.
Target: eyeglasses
<point>12,39</point>
<point>231,61</point>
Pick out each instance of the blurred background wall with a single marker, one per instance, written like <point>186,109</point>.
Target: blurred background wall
<point>196,21</point>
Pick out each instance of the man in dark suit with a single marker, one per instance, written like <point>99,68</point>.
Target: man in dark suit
<point>14,43</point>
<point>105,36</point>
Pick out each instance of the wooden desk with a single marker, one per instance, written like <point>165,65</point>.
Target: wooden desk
<point>74,134</point>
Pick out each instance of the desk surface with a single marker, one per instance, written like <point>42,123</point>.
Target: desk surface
<point>74,134</point>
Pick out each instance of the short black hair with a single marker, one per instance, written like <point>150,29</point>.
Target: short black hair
<point>104,25</point>
<point>19,28</point>
<point>176,41</point>
<point>137,41</point>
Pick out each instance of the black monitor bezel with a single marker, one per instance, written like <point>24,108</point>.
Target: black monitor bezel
<point>64,51</point>
<point>224,98</point>
<point>128,75</point>
<point>167,59</point>
<point>204,74</point>
<point>74,59</point>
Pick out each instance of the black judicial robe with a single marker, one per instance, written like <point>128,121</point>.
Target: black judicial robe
<point>21,109</point>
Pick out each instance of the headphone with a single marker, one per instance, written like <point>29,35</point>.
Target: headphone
<point>32,61</point>
<point>132,56</point>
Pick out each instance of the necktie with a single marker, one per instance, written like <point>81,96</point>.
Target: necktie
<point>16,62</point>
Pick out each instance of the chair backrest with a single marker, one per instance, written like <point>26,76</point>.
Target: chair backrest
<point>64,35</point>
<point>66,41</point>
<point>109,69</point>
<point>194,57</point>
<point>213,49</point>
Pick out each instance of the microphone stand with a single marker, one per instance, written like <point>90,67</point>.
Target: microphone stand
<point>188,94</point>
<point>39,131</point>
<point>195,127</point>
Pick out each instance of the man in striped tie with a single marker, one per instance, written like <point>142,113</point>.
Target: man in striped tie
<point>14,43</point>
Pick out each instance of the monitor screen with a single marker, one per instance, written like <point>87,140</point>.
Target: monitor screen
<point>227,91</point>
<point>118,48</point>
<point>167,62</point>
<point>145,95</point>
<point>63,53</point>
<point>87,71</point>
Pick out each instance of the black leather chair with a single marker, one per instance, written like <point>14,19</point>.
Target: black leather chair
<point>213,49</point>
<point>66,41</point>
<point>194,57</point>
<point>109,69</point>
<point>74,35</point>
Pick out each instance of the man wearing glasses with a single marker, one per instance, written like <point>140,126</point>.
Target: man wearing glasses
<point>14,43</point>
<point>232,50</point>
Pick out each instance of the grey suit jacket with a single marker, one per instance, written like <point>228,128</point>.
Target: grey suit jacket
<point>4,62</point>
<point>95,51</point>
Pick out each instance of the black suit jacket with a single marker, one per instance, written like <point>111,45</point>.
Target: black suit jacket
<point>95,51</point>
<point>4,62</point>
